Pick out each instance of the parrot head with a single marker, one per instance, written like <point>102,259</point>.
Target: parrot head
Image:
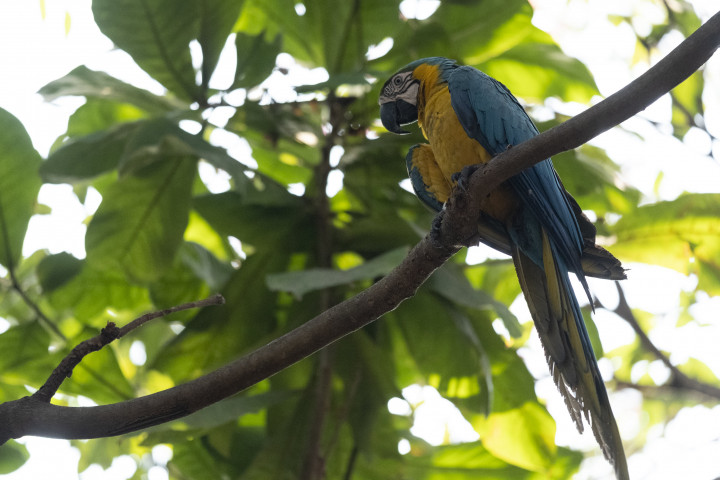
<point>398,101</point>
<point>399,95</point>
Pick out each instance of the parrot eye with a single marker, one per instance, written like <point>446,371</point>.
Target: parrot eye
<point>397,81</point>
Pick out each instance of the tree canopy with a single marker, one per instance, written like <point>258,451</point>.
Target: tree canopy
<point>312,213</point>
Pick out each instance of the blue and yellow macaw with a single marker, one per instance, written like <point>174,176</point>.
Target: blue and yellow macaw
<point>468,118</point>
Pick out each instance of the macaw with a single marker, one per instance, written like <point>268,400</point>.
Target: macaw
<point>468,118</point>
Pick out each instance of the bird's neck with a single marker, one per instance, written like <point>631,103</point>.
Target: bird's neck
<point>432,89</point>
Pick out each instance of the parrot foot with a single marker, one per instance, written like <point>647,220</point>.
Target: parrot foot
<point>436,229</point>
<point>462,178</point>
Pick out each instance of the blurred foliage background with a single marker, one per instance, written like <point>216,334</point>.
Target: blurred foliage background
<point>288,204</point>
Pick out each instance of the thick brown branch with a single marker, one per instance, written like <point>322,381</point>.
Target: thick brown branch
<point>29,416</point>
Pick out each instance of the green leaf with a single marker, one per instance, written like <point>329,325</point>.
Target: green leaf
<point>523,436</point>
<point>218,157</point>
<point>437,347</point>
<point>98,114</point>
<point>333,35</point>
<point>217,18</point>
<point>512,383</point>
<point>12,456</point>
<point>687,103</point>
<point>465,326</point>
<point>178,285</point>
<point>260,218</point>
<point>92,291</point>
<point>535,71</point>
<point>255,59</point>
<point>452,284</point>
<point>479,30</point>
<point>197,459</point>
<point>89,156</point>
<point>468,461</point>
<point>592,178</point>
<point>205,265</point>
<point>99,85</point>
<point>25,359</point>
<point>301,282</point>
<point>156,40</point>
<point>132,146</point>
<point>682,234</point>
<point>19,186</point>
<point>140,223</point>
<point>217,335</point>
<point>100,451</point>
<point>229,410</point>
<point>54,271</point>
<point>700,371</point>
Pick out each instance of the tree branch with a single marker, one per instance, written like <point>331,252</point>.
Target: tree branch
<point>108,334</point>
<point>678,379</point>
<point>29,416</point>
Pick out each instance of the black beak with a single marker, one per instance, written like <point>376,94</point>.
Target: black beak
<point>397,113</point>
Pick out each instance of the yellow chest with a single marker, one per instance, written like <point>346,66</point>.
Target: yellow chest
<point>452,147</point>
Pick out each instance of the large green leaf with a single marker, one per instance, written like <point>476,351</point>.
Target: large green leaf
<point>140,223</point>
<point>217,18</point>
<point>438,346</point>
<point>537,70</point>
<point>683,234</point>
<point>100,114</point>
<point>93,84</point>
<point>101,451</point>
<point>260,217</point>
<point>333,35</point>
<point>593,179</point>
<point>12,456</point>
<point>452,284</point>
<point>228,410</point>
<point>19,186</point>
<point>246,319</point>
<point>205,265</point>
<point>301,282</point>
<point>88,156</point>
<point>157,34</point>
<point>93,290</point>
<point>469,461</point>
<point>54,271</point>
<point>26,360</point>
<point>255,59</point>
<point>523,436</point>
<point>687,103</point>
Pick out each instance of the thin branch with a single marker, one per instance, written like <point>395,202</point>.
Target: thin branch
<point>678,379</point>
<point>15,284</point>
<point>216,299</point>
<point>107,335</point>
<point>28,416</point>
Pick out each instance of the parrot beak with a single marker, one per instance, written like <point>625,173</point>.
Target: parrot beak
<point>397,113</point>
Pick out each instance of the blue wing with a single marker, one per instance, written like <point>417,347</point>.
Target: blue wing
<point>547,244</point>
<point>490,114</point>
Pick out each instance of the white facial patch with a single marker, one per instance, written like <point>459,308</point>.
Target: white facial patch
<point>400,87</point>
